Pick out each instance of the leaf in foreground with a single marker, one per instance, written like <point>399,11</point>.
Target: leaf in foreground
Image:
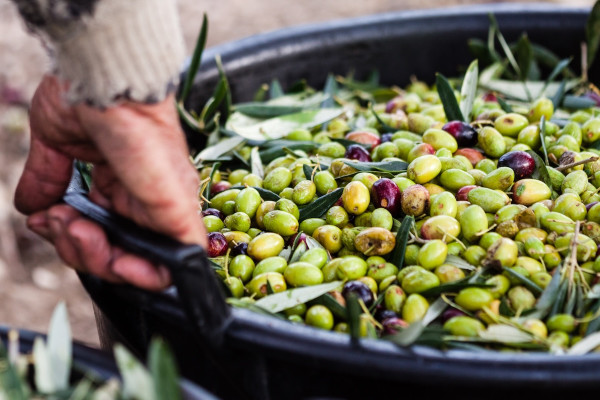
<point>585,345</point>
<point>397,257</point>
<point>60,347</point>
<point>137,381</point>
<point>320,205</point>
<point>283,300</point>
<point>469,89</point>
<point>164,371</point>
<point>448,98</point>
<point>502,333</point>
<point>409,335</point>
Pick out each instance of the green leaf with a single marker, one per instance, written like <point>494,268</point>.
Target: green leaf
<point>346,143</point>
<point>275,89</point>
<point>221,148</point>
<point>385,127</point>
<point>137,381</point>
<point>505,334</point>
<point>265,110</point>
<point>504,44</point>
<point>272,153</point>
<point>308,170</point>
<point>411,334</point>
<point>448,98</point>
<point>592,34</point>
<point>560,298</point>
<point>524,56</point>
<point>480,51</point>
<point>195,61</point>
<point>519,90</point>
<point>214,102</point>
<point>353,311</point>
<point>459,262</point>
<point>451,288</point>
<point>393,167</point>
<point>59,346</point>
<point>252,307</point>
<point>275,128</point>
<point>338,310</point>
<point>504,105</point>
<point>164,371</point>
<point>331,89</point>
<point>261,93</point>
<point>549,60</point>
<point>43,378</point>
<point>206,193</point>
<point>548,297</point>
<point>469,89</point>
<point>528,283</point>
<point>397,256</point>
<point>540,172</point>
<point>557,98</point>
<point>557,70</point>
<point>11,384</point>
<point>585,345</point>
<point>283,300</point>
<point>320,205</point>
<point>544,150</point>
<point>85,170</point>
<point>256,163</point>
<point>226,108</point>
<point>577,102</point>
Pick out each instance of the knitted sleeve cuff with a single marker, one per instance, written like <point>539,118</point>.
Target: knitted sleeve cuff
<point>113,49</point>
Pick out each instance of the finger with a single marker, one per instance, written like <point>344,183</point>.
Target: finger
<point>45,178</point>
<point>95,254</point>
<point>141,273</point>
<point>59,217</point>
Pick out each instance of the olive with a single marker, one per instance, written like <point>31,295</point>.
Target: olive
<point>464,133</point>
<point>520,162</point>
<point>217,244</point>
<point>357,152</point>
<point>385,193</point>
<point>359,289</point>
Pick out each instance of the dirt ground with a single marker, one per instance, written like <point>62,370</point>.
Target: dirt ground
<point>32,278</point>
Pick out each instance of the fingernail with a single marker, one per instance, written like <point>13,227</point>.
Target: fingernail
<point>165,275</point>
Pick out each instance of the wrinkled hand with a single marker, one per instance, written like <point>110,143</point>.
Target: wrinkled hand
<point>141,171</point>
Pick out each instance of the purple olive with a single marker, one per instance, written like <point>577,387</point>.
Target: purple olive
<point>215,212</point>
<point>217,244</point>
<point>519,161</point>
<point>382,314</point>
<point>393,325</point>
<point>594,96</point>
<point>592,204</point>
<point>465,134</point>
<point>239,249</point>
<point>357,152</point>
<point>218,187</point>
<point>360,289</point>
<point>451,313</point>
<point>385,193</point>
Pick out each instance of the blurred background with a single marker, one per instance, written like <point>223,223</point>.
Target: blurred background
<point>32,278</point>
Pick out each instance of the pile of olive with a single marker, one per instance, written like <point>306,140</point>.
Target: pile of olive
<point>473,189</point>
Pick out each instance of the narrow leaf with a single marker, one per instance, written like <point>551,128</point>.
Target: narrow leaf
<point>384,127</point>
<point>505,334</point>
<point>459,262</point>
<point>264,110</point>
<point>206,193</point>
<point>353,311</point>
<point>308,170</point>
<point>271,153</point>
<point>235,302</point>
<point>452,287</point>
<point>524,56</point>
<point>338,310</point>
<point>195,61</point>
<point>43,378</point>
<point>164,371</point>
<point>577,102</point>
<point>320,205</point>
<point>256,163</point>
<point>592,33</point>
<point>543,141</point>
<point>448,98</point>
<point>397,256</point>
<point>331,89</point>
<point>585,345</point>
<point>504,44</point>
<point>393,167</point>
<point>219,149</point>
<point>283,300</point>
<point>548,297</point>
<point>504,105</point>
<point>60,347</point>
<point>137,381</point>
<point>528,283</point>
<point>275,89</point>
<point>540,172</point>
<point>409,335</point>
<point>469,89</point>
<point>11,383</point>
<point>557,70</point>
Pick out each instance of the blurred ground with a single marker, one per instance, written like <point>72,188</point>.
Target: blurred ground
<point>32,278</point>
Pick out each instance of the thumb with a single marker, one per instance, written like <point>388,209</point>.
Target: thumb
<point>45,178</point>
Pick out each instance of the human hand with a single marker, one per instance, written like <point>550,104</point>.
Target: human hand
<point>141,171</point>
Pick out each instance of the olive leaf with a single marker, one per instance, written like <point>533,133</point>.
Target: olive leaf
<point>327,300</point>
<point>548,297</point>
<point>557,70</point>
<point>528,283</point>
<point>560,298</point>
<point>195,60</point>
<point>235,302</point>
<point>411,334</point>
<point>275,89</point>
<point>557,98</point>
<point>594,324</point>
<point>137,381</point>
<point>585,345</point>
<point>504,105</point>
<point>452,287</point>
<point>11,383</point>
<point>320,205</point>
<point>206,193</point>
<point>256,163</point>
<point>221,148</point>
<point>540,172</point>
<point>59,347</point>
<point>397,256</point>
<point>308,170</point>
<point>283,300</point>
<point>448,98</point>
<point>385,127</point>
<point>505,334</point>
<point>577,102</point>
<point>393,167</point>
<point>269,154</point>
<point>469,89</point>
<point>592,33</point>
<point>275,128</point>
<point>524,56</point>
<point>163,370</point>
<point>353,311</point>
<point>346,143</point>
<point>543,142</point>
<point>283,105</point>
<point>459,262</point>
<point>331,90</point>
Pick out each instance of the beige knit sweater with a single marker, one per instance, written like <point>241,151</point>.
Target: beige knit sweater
<point>109,50</point>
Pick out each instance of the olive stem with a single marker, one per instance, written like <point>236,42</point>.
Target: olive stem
<point>567,166</point>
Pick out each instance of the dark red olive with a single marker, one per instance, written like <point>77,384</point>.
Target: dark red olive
<point>360,289</point>
<point>385,193</point>
<point>219,187</point>
<point>357,152</point>
<point>519,161</point>
<point>239,249</point>
<point>461,194</point>
<point>451,313</point>
<point>215,212</point>
<point>217,244</point>
<point>490,97</point>
<point>382,314</point>
<point>393,325</point>
<point>465,134</point>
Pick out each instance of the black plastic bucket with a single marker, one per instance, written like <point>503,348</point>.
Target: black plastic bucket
<point>271,359</point>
